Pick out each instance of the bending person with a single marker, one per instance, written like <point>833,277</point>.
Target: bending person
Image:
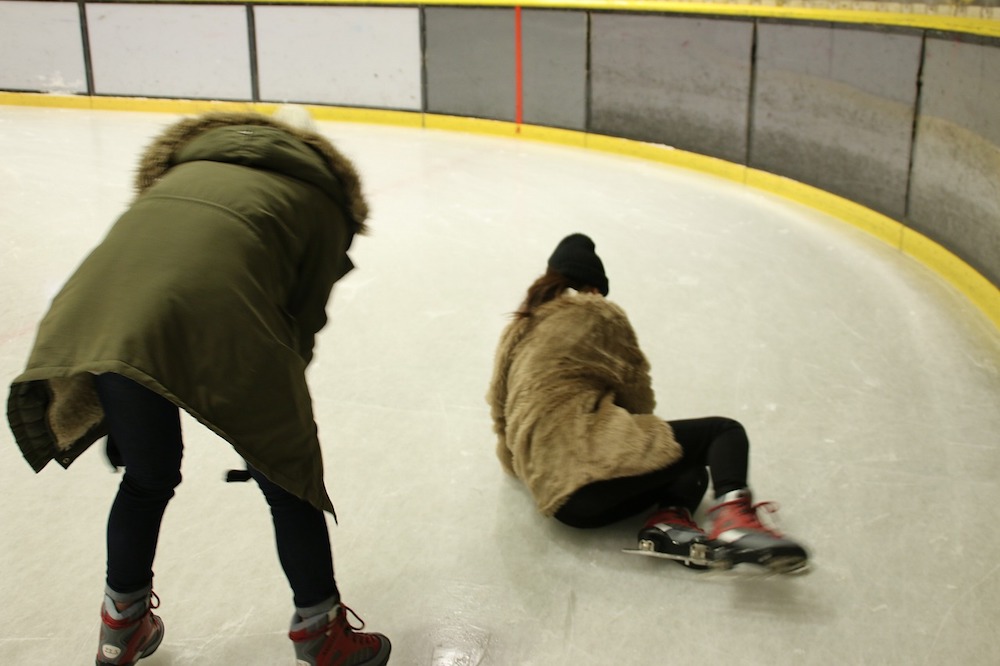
<point>206,295</point>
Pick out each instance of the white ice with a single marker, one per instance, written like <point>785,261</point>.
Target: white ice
<point>870,389</point>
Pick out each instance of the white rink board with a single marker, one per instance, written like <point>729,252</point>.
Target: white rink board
<point>188,51</point>
<point>348,56</point>
<point>41,48</point>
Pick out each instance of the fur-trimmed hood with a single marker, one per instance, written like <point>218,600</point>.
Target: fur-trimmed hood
<point>209,291</point>
<point>159,156</point>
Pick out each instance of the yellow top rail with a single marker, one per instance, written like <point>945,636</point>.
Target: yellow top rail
<point>960,18</point>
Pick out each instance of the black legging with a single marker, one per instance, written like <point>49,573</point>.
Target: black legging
<point>146,430</point>
<point>716,443</point>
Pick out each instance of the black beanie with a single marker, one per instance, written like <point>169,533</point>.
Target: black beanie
<point>575,258</point>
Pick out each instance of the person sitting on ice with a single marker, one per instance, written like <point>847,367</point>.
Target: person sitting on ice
<point>572,407</point>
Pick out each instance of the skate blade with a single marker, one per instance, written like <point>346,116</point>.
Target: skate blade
<point>701,558</point>
<point>788,565</point>
<point>772,565</point>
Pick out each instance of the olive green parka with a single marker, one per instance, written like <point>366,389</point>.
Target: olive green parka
<point>208,290</point>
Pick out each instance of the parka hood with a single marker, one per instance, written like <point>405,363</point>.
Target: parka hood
<point>162,154</point>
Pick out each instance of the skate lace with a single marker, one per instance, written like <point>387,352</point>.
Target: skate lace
<point>770,522</point>
<point>675,517</point>
<point>741,514</point>
<point>358,638</point>
<point>348,609</point>
<point>154,600</point>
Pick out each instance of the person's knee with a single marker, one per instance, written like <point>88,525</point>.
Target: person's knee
<point>725,424</point>
<point>152,485</point>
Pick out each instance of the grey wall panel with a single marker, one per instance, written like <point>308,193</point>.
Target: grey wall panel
<point>350,56</point>
<point>833,108</point>
<point>554,62</point>
<point>41,47</point>
<point>162,50</point>
<point>469,62</point>
<point>683,82</point>
<point>955,186</point>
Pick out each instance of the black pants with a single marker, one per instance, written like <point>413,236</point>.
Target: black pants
<point>714,444</point>
<point>146,430</point>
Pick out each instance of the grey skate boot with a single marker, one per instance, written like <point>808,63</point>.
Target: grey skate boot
<point>737,526</point>
<point>132,633</point>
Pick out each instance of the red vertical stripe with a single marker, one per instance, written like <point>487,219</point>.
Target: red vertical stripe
<point>518,71</point>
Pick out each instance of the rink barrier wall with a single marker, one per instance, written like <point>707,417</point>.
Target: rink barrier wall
<point>884,119</point>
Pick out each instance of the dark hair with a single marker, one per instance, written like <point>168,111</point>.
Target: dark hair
<point>546,288</point>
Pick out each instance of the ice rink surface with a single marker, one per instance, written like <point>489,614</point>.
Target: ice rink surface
<point>869,387</point>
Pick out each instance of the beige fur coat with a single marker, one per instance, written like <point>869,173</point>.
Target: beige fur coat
<point>572,402</point>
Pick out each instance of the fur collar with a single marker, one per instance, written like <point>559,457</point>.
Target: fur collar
<point>158,156</point>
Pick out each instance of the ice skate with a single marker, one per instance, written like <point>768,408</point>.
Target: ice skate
<point>744,539</point>
<point>672,534</point>
<point>130,634</point>
<point>328,639</point>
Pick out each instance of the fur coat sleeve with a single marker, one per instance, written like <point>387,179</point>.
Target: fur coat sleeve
<point>572,402</point>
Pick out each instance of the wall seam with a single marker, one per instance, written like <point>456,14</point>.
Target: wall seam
<point>751,95</point>
<point>588,73</point>
<point>917,106</point>
<point>422,27</point>
<point>88,65</point>
<point>252,46</point>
